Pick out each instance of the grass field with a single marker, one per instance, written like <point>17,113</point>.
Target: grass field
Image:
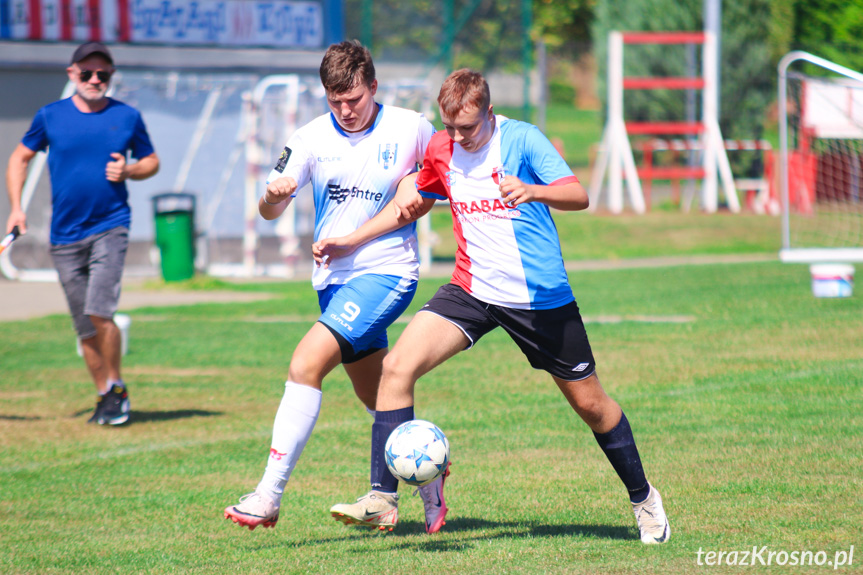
<point>744,391</point>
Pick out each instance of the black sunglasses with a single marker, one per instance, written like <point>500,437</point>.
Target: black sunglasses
<point>103,76</point>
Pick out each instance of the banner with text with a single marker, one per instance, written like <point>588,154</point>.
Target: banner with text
<point>278,23</point>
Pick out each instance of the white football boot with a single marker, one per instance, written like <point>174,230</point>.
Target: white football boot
<point>254,509</point>
<point>375,509</point>
<point>652,521</point>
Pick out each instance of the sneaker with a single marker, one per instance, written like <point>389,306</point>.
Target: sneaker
<point>254,509</point>
<point>375,509</point>
<point>97,413</point>
<point>116,406</point>
<point>435,506</point>
<point>652,522</point>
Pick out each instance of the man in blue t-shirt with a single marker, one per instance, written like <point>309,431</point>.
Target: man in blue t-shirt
<point>88,137</point>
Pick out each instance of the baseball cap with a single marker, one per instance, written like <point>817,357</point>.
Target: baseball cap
<point>90,48</point>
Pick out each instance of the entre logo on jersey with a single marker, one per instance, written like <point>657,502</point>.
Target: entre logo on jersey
<point>339,194</point>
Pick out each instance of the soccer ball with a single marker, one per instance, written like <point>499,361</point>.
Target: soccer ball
<point>417,452</point>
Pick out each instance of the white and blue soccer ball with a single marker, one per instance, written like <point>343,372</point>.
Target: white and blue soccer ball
<point>417,452</point>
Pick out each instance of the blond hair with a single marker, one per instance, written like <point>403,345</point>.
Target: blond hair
<point>463,89</point>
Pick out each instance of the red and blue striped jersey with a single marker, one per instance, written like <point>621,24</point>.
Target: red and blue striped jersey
<point>508,256</point>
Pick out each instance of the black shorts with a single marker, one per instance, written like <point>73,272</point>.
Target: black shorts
<point>553,340</point>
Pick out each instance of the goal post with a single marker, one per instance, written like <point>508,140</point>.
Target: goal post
<point>820,161</point>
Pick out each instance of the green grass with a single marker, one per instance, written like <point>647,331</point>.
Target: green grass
<point>746,403</point>
<point>580,131</point>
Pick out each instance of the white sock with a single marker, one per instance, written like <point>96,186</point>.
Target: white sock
<point>292,428</point>
<point>371,412</point>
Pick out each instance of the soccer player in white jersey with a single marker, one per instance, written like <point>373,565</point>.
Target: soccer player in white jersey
<point>354,158</point>
<point>501,176</point>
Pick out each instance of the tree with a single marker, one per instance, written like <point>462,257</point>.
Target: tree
<point>484,34</point>
<point>780,31</point>
<point>559,22</point>
<point>830,29</point>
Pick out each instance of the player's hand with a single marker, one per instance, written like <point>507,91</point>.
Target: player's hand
<point>407,202</point>
<point>514,191</point>
<point>116,171</point>
<point>280,189</point>
<point>328,249</point>
<point>408,206</point>
<point>17,218</point>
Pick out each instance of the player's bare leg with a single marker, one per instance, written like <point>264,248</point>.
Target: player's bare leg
<point>591,403</point>
<point>109,342</point>
<point>611,429</point>
<point>428,341</point>
<point>315,357</point>
<point>95,364</point>
<point>102,355</point>
<point>365,376</point>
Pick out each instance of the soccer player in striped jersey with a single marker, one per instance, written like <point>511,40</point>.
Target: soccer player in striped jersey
<point>354,158</point>
<point>500,176</point>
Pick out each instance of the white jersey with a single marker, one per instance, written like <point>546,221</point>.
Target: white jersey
<point>353,176</point>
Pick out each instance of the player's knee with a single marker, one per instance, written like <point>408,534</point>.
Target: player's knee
<point>597,410</point>
<point>102,323</point>
<point>395,365</point>
<point>590,411</point>
<point>304,371</point>
<point>368,399</point>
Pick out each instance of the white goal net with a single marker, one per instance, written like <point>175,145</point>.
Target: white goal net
<point>821,162</point>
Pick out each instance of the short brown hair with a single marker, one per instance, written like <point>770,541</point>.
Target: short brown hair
<point>463,89</point>
<point>345,65</point>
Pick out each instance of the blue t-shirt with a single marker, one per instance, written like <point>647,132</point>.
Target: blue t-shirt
<point>80,145</point>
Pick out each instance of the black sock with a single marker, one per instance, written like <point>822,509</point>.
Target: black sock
<point>385,423</point>
<point>619,447</point>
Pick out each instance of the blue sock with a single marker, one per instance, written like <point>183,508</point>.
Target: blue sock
<point>385,423</point>
<point>619,447</point>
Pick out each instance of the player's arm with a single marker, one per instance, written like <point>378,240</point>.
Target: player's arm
<point>144,168</point>
<point>117,170</point>
<point>406,207</point>
<point>569,196</point>
<point>276,198</point>
<point>16,175</point>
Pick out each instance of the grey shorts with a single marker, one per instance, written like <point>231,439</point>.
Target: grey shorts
<point>90,272</point>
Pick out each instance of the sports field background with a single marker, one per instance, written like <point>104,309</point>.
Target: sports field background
<point>744,392</point>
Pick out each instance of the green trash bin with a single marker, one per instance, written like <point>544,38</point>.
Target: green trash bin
<point>174,215</point>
